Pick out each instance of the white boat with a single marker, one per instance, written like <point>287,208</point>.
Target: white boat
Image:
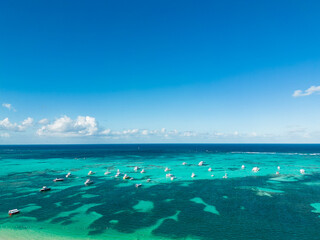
<point>136,168</point>
<point>13,212</point>
<point>184,163</point>
<point>255,169</point>
<point>167,169</point>
<point>193,175</point>
<point>173,177</point>
<point>277,172</point>
<point>44,189</point>
<point>58,179</point>
<point>169,175</point>
<point>243,167</point>
<point>200,163</point>
<point>126,177</point>
<point>210,169</point>
<point>148,180</point>
<point>68,175</point>
<point>302,171</point>
<point>107,173</point>
<point>90,173</point>
<point>225,175</point>
<point>278,167</point>
<point>88,182</point>
<point>142,171</point>
<point>138,185</point>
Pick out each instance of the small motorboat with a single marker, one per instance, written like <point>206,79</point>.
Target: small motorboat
<point>107,173</point>
<point>58,180</point>
<point>193,175</point>
<point>90,173</point>
<point>148,180</point>
<point>212,175</point>
<point>126,177</point>
<point>210,169</point>
<point>255,169</point>
<point>167,169</point>
<point>136,168</point>
<point>277,172</point>
<point>201,163</point>
<point>138,185</point>
<point>68,175</point>
<point>278,167</point>
<point>302,171</point>
<point>88,182</point>
<point>169,175</point>
<point>45,189</point>
<point>184,163</point>
<point>225,175</point>
<point>117,175</point>
<point>243,167</point>
<point>172,178</point>
<point>142,171</point>
<point>13,212</point>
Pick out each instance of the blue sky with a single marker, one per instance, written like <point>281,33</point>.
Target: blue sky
<point>159,71</point>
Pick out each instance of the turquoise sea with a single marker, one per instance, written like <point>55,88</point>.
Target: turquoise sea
<point>246,205</point>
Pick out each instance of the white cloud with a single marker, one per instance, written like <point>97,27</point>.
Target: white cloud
<point>8,106</point>
<point>43,121</point>
<point>309,91</point>
<point>26,123</point>
<point>65,126</point>
<point>5,124</point>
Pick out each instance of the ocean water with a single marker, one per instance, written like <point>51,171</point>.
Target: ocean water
<point>246,205</point>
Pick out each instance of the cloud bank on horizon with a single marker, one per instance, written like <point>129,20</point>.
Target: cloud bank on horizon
<point>89,127</point>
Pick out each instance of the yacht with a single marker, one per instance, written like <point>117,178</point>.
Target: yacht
<point>88,182</point>
<point>44,189</point>
<point>126,177</point>
<point>255,169</point>
<point>58,180</point>
<point>13,212</point>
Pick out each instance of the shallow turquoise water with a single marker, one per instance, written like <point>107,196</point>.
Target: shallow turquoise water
<point>246,205</point>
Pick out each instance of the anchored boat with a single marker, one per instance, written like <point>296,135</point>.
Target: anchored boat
<point>13,212</point>
<point>44,189</point>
